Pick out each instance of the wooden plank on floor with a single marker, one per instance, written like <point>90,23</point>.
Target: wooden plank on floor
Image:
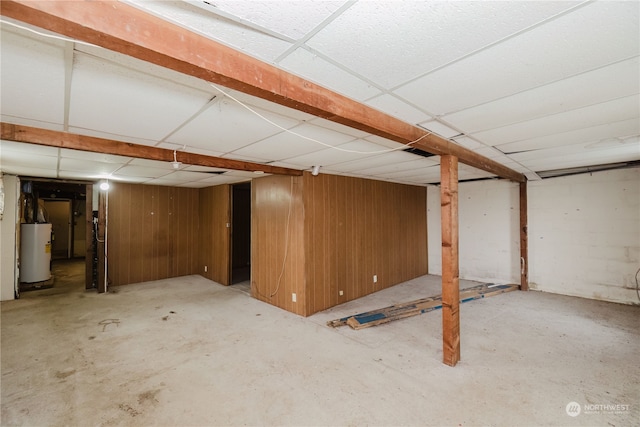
<point>414,308</point>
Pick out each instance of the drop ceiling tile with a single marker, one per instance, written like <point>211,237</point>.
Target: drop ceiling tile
<point>241,37</point>
<point>10,158</point>
<point>392,167</point>
<point>584,158</point>
<point>585,150</point>
<point>32,78</point>
<point>560,48</point>
<point>291,19</point>
<point>95,167</point>
<point>25,149</point>
<point>109,98</point>
<point>468,142</point>
<point>396,107</point>
<point>374,162</point>
<point>226,126</point>
<point>33,123</point>
<point>489,152</point>
<point>26,170</point>
<point>583,135</point>
<point>111,136</point>
<point>287,145</point>
<point>603,84</point>
<point>411,38</point>
<point>94,157</point>
<point>263,104</point>
<point>314,68</point>
<point>354,150</point>
<point>141,172</point>
<point>356,133</point>
<point>440,129</point>
<point>82,175</point>
<point>598,114</point>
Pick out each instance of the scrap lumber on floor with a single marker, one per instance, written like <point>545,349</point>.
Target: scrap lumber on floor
<point>413,308</point>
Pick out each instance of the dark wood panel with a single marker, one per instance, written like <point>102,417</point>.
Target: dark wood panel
<point>152,232</point>
<point>357,228</point>
<point>215,214</point>
<point>277,244</point>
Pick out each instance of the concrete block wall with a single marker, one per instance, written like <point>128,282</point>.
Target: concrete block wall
<point>489,221</point>
<point>584,235</point>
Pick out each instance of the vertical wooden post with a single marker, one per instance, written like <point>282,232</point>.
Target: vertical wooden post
<point>524,239</point>
<point>450,268</point>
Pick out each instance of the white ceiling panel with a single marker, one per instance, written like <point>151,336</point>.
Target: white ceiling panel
<point>396,107</point>
<point>586,150</point>
<point>278,15</point>
<point>141,171</point>
<point>440,129</point>
<point>558,49</point>
<point>622,108</point>
<point>353,150</point>
<point>218,127</point>
<point>9,158</point>
<point>395,166</point>
<point>33,77</point>
<point>252,42</point>
<point>432,34</point>
<point>94,157</point>
<point>626,153</point>
<point>99,168</point>
<point>587,134</point>
<point>154,107</point>
<point>356,133</point>
<point>21,149</point>
<point>374,161</point>
<point>315,68</point>
<point>606,83</point>
<point>26,170</point>
<point>287,145</point>
<point>112,136</point>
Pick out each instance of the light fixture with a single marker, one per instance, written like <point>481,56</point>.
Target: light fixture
<point>104,185</point>
<point>315,170</point>
<point>176,164</point>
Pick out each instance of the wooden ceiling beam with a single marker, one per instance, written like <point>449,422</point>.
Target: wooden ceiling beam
<point>125,29</point>
<point>51,138</point>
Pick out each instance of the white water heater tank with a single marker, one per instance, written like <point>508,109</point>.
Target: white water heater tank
<point>35,252</point>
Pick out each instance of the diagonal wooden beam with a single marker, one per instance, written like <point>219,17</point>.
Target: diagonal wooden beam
<point>51,138</point>
<point>123,28</point>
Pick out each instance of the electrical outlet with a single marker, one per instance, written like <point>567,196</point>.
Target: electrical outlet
<point>375,278</point>
<point>205,268</point>
<point>293,297</point>
<point>341,293</point>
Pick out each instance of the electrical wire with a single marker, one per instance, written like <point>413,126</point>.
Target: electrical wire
<point>333,147</point>
<point>51,36</point>
<point>286,240</point>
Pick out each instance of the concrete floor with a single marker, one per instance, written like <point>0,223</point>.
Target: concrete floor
<point>189,352</point>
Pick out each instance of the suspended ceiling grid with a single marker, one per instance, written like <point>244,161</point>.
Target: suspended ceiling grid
<point>535,86</point>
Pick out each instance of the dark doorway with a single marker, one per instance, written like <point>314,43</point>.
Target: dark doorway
<point>240,232</point>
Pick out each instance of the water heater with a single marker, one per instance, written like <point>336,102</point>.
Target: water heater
<point>35,252</point>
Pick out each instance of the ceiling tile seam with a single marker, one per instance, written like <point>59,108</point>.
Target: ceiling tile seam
<point>530,119</point>
<point>69,56</point>
<point>559,135</point>
<point>213,10</point>
<point>321,26</point>
<point>495,43</point>
<point>215,99</point>
<point>540,86</point>
<point>141,70</point>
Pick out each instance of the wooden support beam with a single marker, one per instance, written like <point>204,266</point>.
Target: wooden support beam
<point>51,138</point>
<point>450,266</point>
<point>125,29</point>
<point>524,239</point>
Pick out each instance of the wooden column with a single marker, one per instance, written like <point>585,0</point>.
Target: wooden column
<point>524,239</point>
<point>450,269</point>
<point>102,231</point>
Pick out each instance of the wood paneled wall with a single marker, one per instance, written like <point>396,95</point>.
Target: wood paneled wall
<point>152,232</point>
<point>357,228</point>
<point>215,211</point>
<point>277,246</point>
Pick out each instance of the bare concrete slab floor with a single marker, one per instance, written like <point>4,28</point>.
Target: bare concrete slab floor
<point>189,352</point>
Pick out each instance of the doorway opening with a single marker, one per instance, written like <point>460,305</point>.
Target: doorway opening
<point>241,233</point>
<point>60,215</point>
